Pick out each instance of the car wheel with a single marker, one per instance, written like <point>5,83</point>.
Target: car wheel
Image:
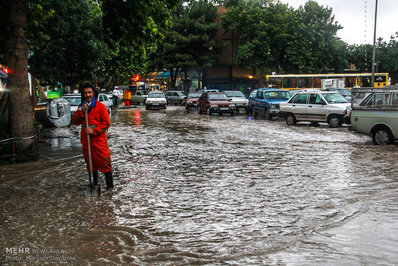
<point>164,107</point>
<point>382,135</point>
<point>290,119</point>
<point>186,107</point>
<point>267,114</point>
<point>254,113</point>
<point>198,109</point>
<point>248,111</point>
<point>208,111</point>
<point>232,113</point>
<point>146,107</point>
<point>334,121</point>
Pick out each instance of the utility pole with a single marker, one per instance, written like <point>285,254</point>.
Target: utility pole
<point>374,49</point>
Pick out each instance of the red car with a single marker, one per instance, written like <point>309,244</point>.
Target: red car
<point>192,100</point>
<point>215,102</point>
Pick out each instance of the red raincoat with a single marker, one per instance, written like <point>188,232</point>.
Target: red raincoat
<point>98,118</point>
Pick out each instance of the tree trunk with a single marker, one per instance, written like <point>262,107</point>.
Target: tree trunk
<point>20,105</point>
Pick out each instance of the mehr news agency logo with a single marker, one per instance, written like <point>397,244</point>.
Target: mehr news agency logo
<point>39,254</point>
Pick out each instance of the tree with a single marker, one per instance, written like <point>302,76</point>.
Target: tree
<point>131,30</point>
<point>16,57</point>
<point>65,39</point>
<point>264,29</point>
<point>314,43</point>
<point>191,43</point>
<point>387,58</point>
<point>275,37</point>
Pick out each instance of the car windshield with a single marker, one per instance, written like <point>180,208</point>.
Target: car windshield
<point>194,95</point>
<point>218,97</point>
<point>284,95</point>
<point>234,94</point>
<point>334,98</point>
<point>74,101</point>
<point>156,95</point>
<point>343,92</point>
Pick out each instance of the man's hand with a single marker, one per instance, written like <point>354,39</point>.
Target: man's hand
<point>89,131</point>
<point>84,107</point>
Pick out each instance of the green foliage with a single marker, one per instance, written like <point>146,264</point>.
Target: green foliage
<point>275,37</point>
<point>190,43</point>
<point>132,29</point>
<point>65,40</point>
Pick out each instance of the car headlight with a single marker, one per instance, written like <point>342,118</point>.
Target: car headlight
<point>273,106</point>
<point>214,106</point>
<point>232,105</point>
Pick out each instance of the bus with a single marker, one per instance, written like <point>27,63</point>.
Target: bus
<point>299,81</point>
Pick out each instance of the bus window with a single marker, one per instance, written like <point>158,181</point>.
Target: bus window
<point>275,82</point>
<point>289,82</point>
<point>317,83</point>
<point>380,78</point>
<point>350,82</point>
<point>365,81</point>
<point>304,82</point>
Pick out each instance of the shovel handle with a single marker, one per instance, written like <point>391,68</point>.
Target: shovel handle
<point>90,164</point>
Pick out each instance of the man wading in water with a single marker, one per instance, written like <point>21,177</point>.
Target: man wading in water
<point>99,122</point>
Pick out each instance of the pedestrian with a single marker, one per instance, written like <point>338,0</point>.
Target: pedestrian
<point>116,94</point>
<point>99,123</point>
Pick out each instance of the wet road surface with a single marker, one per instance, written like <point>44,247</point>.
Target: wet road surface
<point>198,189</point>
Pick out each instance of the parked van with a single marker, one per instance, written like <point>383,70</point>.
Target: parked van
<point>377,114</point>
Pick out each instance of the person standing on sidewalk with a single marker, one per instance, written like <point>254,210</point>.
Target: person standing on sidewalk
<point>116,94</point>
<point>99,122</point>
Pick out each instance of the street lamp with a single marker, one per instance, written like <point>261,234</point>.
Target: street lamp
<point>374,49</point>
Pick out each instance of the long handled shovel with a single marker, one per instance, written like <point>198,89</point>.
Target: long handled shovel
<point>90,164</point>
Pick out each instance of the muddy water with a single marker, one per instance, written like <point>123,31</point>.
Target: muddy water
<point>194,189</point>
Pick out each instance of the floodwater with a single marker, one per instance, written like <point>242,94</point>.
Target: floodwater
<point>198,189</point>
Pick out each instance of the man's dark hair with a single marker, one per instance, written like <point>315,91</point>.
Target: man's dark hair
<point>88,85</point>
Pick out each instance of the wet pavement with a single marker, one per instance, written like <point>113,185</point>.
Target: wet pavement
<point>198,189</point>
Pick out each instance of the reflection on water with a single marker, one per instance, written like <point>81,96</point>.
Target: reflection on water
<point>215,190</point>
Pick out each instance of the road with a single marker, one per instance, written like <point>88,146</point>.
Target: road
<point>198,189</point>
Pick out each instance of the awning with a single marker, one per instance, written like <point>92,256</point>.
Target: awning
<point>164,75</point>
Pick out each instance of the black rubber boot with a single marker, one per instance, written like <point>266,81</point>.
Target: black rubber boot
<point>109,180</point>
<point>95,178</point>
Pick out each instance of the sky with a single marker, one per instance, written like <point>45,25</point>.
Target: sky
<point>357,18</point>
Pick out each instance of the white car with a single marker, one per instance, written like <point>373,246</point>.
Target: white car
<point>156,99</point>
<point>75,100</point>
<point>315,106</point>
<point>237,98</point>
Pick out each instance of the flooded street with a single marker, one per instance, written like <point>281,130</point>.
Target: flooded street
<point>198,189</point>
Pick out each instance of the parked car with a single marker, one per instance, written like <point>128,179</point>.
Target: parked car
<point>344,92</point>
<point>176,97</point>
<point>315,106</point>
<point>75,100</point>
<point>139,96</point>
<point>377,114</point>
<point>209,90</point>
<point>192,100</point>
<point>237,98</point>
<point>215,102</point>
<point>267,101</point>
<point>252,96</point>
<point>156,100</point>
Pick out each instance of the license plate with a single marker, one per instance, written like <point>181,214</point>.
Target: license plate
<point>224,108</point>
